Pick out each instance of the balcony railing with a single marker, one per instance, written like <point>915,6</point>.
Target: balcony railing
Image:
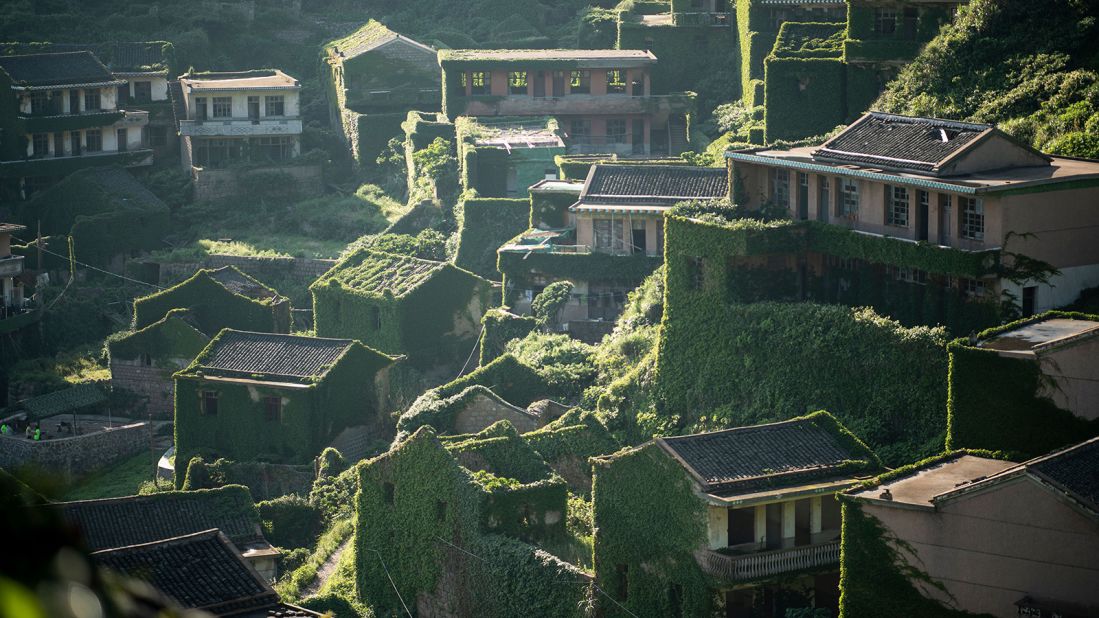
<point>575,104</point>
<point>240,127</point>
<point>750,567</point>
<point>11,266</point>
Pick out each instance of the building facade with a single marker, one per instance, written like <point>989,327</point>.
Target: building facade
<point>603,99</point>
<point>967,189</point>
<point>61,112</point>
<point>14,302</point>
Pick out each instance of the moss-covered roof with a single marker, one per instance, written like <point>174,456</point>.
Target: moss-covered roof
<point>810,40</point>
<point>580,58</point>
<point>90,192</point>
<point>174,335</point>
<point>371,36</point>
<point>376,273</point>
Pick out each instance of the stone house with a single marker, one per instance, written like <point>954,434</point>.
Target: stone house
<point>979,535</point>
<point>112,523</point>
<point>16,309</point>
<point>218,298</point>
<point>143,361</point>
<point>277,398</point>
<point>603,99</point>
<point>181,568</point>
<point>758,525</point>
<point>970,196</point>
<point>61,112</point>
<point>375,75</point>
<point>427,310</point>
<point>502,157</point>
<point>619,212</point>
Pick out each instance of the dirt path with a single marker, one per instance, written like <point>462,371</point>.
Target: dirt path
<point>325,571</point>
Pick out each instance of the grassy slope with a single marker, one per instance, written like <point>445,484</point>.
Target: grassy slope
<point>121,479</point>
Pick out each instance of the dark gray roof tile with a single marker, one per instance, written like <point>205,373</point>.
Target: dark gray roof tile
<point>660,183</point>
<point>1075,470</point>
<point>245,353</point>
<point>905,142</point>
<point>55,69</point>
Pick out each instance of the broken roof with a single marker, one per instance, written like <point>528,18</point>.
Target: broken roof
<point>132,520</point>
<point>674,183</point>
<point>581,58</point>
<point>238,282</point>
<point>368,38</point>
<point>378,273</point>
<point>199,571</point>
<point>786,454</point>
<point>266,79</point>
<point>61,69</point>
<point>247,354</point>
<point>1043,334</point>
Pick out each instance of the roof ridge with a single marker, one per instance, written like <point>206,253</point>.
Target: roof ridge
<point>790,421</point>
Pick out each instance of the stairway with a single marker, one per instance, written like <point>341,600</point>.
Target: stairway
<point>677,135</point>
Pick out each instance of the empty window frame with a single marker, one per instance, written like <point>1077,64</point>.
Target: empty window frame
<point>93,140</point>
<point>972,213</point>
<point>223,107</point>
<point>143,92</point>
<point>616,81</point>
<point>92,101</point>
<point>581,82</point>
<point>885,21</point>
<point>849,198</point>
<point>616,131</point>
<point>274,105</point>
<point>517,82</point>
<point>41,144</point>
<point>272,409</point>
<point>780,187</point>
<point>896,211</point>
<point>209,403</point>
<point>480,82</point>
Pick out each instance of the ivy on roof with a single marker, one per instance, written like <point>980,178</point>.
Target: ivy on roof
<point>810,40</point>
<point>363,39</point>
<point>373,273</point>
<point>174,335</point>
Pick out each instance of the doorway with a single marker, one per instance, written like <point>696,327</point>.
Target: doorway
<point>638,136</point>
<point>944,219</point>
<point>803,196</point>
<point>922,214</point>
<point>1030,300</point>
<point>540,84</point>
<point>774,526</point>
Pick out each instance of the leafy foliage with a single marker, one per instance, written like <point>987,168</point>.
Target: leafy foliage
<point>550,301</point>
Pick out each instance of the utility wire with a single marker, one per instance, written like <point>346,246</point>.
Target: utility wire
<point>90,267</point>
<point>476,343</point>
<point>391,582</point>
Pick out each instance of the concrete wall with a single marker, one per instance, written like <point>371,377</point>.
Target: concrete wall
<point>1075,377</point>
<point>214,183</point>
<point>994,547</point>
<point>481,411</point>
<point>77,456</point>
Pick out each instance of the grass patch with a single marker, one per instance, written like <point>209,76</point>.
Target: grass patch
<point>122,479</point>
<point>291,585</point>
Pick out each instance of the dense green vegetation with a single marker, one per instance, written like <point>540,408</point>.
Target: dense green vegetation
<point>1030,68</point>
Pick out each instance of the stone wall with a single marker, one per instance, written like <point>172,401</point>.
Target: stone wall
<point>210,184</point>
<point>152,386</point>
<point>77,456</point>
<point>481,411</point>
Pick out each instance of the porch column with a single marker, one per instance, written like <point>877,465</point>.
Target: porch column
<point>814,515</point>
<point>788,524</point>
<point>761,525</point>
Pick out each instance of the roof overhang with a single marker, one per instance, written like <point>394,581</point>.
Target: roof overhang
<point>780,494</point>
<point>255,382</point>
<point>161,73</point>
<point>107,84</point>
<point>614,209</point>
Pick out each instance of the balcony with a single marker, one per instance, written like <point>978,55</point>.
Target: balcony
<point>11,266</point>
<point>574,104</point>
<point>749,567</point>
<point>239,127</point>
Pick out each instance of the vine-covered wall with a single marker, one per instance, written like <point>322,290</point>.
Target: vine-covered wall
<point>647,521</point>
<point>498,328</point>
<point>804,79</point>
<point>214,307</point>
<point>484,224</point>
<point>995,402</point>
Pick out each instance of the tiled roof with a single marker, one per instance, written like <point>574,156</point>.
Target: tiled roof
<point>789,452</point>
<point>55,69</point>
<point>199,571</point>
<point>370,37</point>
<point>907,142</point>
<point>378,273</point>
<point>264,79</point>
<point>11,228</point>
<point>239,283</point>
<point>1074,470</point>
<point>67,400</point>
<point>132,520</point>
<point>664,183</point>
<point>271,354</point>
<point>120,57</point>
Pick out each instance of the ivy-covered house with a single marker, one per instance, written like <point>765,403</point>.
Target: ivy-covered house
<point>430,311</point>
<point>218,298</point>
<point>447,534</point>
<point>278,398</point>
<point>143,361</point>
<point>802,82</point>
<point>613,238</point>
<point>375,75</point>
<point>929,211</point>
<point>742,521</point>
<point>1025,387</point>
<point>503,157</point>
<point>602,98</point>
<point>108,215</point>
<point>60,112</point>
<point>965,534</point>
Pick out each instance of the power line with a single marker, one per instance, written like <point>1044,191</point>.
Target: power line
<point>476,343</point>
<point>391,582</point>
<point>89,266</point>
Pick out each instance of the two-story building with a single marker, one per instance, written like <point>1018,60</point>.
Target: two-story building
<point>232,117</point>
<point>977,535</point>
<point>754,510</point>
<point>614,227</point>
<point>61,112</point>
<point>603,99</point>
<point>978,207</point>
